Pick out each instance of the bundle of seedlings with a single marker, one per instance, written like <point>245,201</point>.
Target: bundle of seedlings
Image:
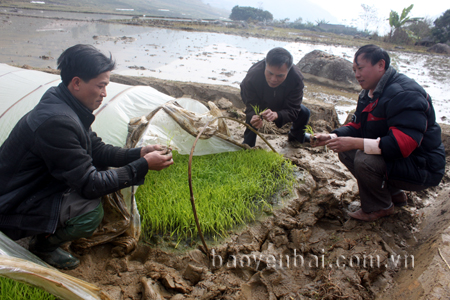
<point>231,188</point>
<point>313,138</point>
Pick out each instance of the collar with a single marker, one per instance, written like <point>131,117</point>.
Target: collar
<point>84,114</point>
<point>382,83</point>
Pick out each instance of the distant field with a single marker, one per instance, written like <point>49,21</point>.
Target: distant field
<point>173,8</point>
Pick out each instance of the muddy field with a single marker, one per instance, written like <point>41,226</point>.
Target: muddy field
<point>308,249</point>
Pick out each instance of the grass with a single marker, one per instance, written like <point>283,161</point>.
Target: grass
<point>14,290</point>
<point>229,189</point>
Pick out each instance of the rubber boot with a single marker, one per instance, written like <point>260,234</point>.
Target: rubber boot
<point>47,247</point>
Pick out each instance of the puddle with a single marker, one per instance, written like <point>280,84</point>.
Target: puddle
<point>210,58</point>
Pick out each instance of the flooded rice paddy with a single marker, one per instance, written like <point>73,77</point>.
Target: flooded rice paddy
<point>201,57</point>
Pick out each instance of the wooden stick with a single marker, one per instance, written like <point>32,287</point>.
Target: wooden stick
<point>439,250</point>
<point>194,210</point>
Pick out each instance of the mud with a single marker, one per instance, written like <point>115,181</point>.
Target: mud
<point>308,249</point>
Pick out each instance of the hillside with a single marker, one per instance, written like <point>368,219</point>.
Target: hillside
<point>165,8</point>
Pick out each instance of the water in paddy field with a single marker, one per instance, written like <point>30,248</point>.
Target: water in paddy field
<point>190,56</point>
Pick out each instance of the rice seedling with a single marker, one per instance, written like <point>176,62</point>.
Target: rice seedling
<point>308,129</point>
<point>230,189</point>
<point>14,290</point>
<point>258,110</point>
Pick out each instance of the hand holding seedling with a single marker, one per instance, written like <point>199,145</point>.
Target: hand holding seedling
<point>320,139</point>
<point>345,143</point>
<point>150,148</point>
<point>256,121</point>
<point>269,115</point>
<point>158,160</point>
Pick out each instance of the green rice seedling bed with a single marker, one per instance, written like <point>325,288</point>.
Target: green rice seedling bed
<point>229,189</point>
<point>14,290</point>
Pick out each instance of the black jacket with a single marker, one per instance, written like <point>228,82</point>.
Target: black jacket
<point>285,99</point>
<point>401,113</point>
<point>51,149</point>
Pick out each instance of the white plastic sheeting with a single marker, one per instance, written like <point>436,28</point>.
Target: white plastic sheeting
<point>19,264</point>
<point>164,130</point>
<point>21,90</point>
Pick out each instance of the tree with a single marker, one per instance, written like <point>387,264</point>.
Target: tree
<point>399,33</point>
<point>441,30</point>
<point>396,22</point>
<point>421,28</point>
<point>244,13</point>
<point>322,21</point>
<point>369,17</point>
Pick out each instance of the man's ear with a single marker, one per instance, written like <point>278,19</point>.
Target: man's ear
<point>381,63</point>
<point>75,82</point>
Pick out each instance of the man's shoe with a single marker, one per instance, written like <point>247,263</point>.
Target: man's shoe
<point>55,257</point>
<point>59,259</point>
<point>369,217</point>
<point>295,143</point>
<point>400,199</point>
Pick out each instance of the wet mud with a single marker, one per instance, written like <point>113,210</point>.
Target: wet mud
<point>308,249</point>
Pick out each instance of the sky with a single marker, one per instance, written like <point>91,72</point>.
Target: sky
<point>347,10</point>
<point>340,12</point>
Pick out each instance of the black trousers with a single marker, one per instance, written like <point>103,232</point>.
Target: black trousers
<point>297,128</point>
<point>369,171</point>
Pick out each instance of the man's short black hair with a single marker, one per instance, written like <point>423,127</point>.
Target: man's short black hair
<point>278,57</point>
<point>84,61</point>
<point>374,54</point>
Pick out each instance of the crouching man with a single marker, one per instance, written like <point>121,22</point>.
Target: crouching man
<point>53,167</point>
<point>393,142</point>
<point>275,84</point>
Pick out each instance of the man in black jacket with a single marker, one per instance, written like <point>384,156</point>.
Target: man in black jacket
<point>275,84</point>
<point>393,142</point>
<point>54,168</point>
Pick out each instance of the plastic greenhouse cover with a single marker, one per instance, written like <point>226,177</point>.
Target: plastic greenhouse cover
<point>113,116</point>
<point>21,265</point>
<point>162,129</point>
<point>21,90</point>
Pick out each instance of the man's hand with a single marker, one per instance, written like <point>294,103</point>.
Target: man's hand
<point>345,143</point>
<point>269,115</point>
<point>151,148</point>
<point>320,139</point>
<point>157,161</point>
<point>256,122</point>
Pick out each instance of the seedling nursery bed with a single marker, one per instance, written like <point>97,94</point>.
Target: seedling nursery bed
<point>230,189</point>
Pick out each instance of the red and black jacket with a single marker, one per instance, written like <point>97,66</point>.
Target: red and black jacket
<point>401,113</point>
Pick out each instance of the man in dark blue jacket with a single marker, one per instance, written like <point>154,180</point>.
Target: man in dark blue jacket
<point>393,142</point>
<point>54,168</point>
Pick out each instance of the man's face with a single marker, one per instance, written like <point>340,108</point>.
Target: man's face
<point>368,75</point>
<point>91,93</point>
<point>275,75</point>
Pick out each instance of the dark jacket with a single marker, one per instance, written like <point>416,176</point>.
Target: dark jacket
<point>401,113</point>
<point>285,99</point>
<point>51,149</point>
